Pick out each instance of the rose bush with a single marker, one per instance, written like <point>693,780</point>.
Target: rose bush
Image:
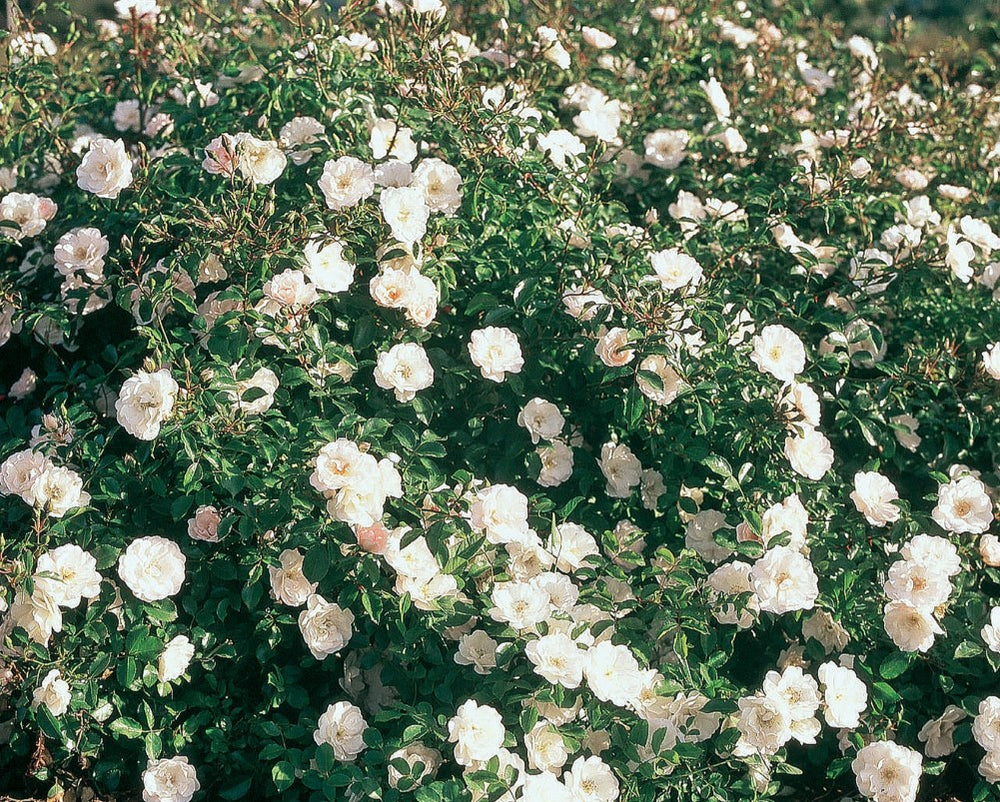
<point>487,403</point>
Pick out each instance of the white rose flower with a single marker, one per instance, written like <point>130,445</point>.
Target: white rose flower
<point>986,725</point>
<point>595,37</point>
<point>613,673</point>
<point>169,780</point>
<point>939,733</point>
<point>290,289</point>
<point>496,352</point>
<point>477,732</point>
<point>342,726</point>
<point>106,168</point>
<point>326,627</point>
<point>260,161</point>
<point>845,697</point>
<point>670,382</point>
<point>501,511</point>
<point>30,45</point>
<point>346,182</point>
<point>557,463</point>
<point>394,173</point>
<point>991,360</point>
<point>937,553</point>
<point>809,454</point>
<point>405,212</point>
<point>717,98</point>
<point>979,233</point>
<point>733,579</point>
<point>799,693</point>
<point>545,787</point>
<point>551,48</point>
<point>621,468</point>
<point>700,535</point>
<point>571,545</point>
<point>28,211</point>
<point>911,628</point>
<point>441,185</point>
<point>145,401</point>
<point>298,134</point>
<point>919,584</point>
<point>990,633</point>
<point>288,584</point>
<point>542,419</point>
<point>963,506</point>
<point>873,496</point>
<point>789,517</point>
<point>612,348</point>
<point>326,266</point>
<point>144,11</point>
<point>824,628</point>
<point>57,490</point>
<point>152,568</point>
<point>666,149</point>
<point>20,471</point>
<point>583,304</point>
<point>477,649</point>
<point>784,580</point>
<point>545,748</point>
<point>265,380</point>
<point>24,386</point>
<point>54,693</point>
<point>860,167</point>
<point>81,250</point>
<point>592,780</point>
<point>779,351</point>
<point>557,658</point>
<point>765,725</point>
<point>989,550</point>
<point>415,560</point>
<point>431,759</point>
<point>522,605</point>
<point>38,614</point>
<point>989,767</point>
<point>68,575</point>
<point>405,369</point>
<point>676,270</point>
<point>174,659</point>
<point>887,772</point>
<point>562,146</point>
<point>387,139</point>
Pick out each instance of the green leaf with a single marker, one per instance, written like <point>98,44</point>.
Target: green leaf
<point>283,774</point>
<point>237,790</point>
<point>316,563</point>
<point>127,727</point>
<point>967,649</point>
<point>894,665</point>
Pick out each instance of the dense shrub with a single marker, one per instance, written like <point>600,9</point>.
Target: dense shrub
<point>550,402</point>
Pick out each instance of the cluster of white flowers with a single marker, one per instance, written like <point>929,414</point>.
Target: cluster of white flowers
<point>63,577</point>
<point>542,589</point>
<point>917,586</point>
<point>354,483</point>
<point>36,480</point>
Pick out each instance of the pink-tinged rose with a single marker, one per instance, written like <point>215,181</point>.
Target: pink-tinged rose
<point>745,534</point>
<point>205,524</point>
<point>220,156</point>
<point>372,538</point>
<point>290,288</point>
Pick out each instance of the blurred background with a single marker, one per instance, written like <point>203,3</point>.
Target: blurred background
<point>931,19</point>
